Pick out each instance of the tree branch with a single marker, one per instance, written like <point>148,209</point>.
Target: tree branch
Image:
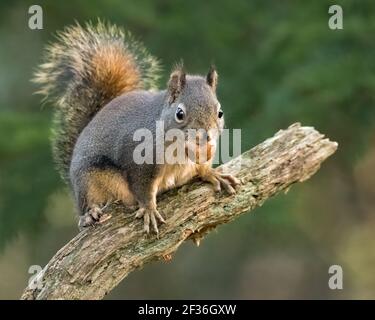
<point>97,259</point>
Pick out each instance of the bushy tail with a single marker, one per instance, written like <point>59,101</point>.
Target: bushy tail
<point>85,69</point>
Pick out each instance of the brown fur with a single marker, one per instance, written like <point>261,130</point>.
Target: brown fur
<point>107,185</point>
<point>175,175</point>
<point>115,72</point>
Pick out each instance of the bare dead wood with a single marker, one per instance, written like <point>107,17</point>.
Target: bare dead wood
<point>96,260</point>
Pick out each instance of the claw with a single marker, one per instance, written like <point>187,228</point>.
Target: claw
<point>154,224</point>
<point>90,217</point>
<point>220,180</point>
<point>140,212</point>
<point>232,179</point>
<point>150,216</point>
<point>159,216</point>
<point>146,225</point>
<point>227,185</point>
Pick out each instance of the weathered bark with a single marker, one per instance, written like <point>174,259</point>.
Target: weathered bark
<point>96,260</point>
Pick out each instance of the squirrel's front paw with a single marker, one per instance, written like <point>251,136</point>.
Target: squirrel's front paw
<point>149,217</point>
<point>220,180</point>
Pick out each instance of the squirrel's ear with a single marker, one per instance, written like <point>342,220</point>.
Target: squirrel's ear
<point>212,77</point>
<point>176,83</point>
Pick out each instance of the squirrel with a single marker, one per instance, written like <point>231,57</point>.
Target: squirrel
<point>103,85</point>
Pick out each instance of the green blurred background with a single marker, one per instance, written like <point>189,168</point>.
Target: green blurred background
<point>279,63</point>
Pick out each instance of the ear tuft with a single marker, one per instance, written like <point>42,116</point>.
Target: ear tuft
<point>176,82</point>
<point>212,78</point>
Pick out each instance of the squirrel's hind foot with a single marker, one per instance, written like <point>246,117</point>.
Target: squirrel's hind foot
<point>91,217</point>
<point>150,216</point>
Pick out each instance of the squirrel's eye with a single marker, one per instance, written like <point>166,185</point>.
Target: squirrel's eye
<point>220,114</point>
<point>180,115</point>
